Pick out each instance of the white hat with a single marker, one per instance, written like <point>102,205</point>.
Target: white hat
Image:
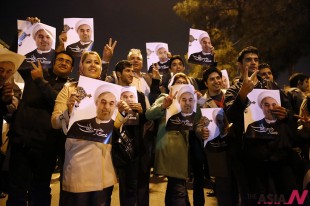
<point>263,95</point>
<point>82,22</point>
<point>173,77</point>
<point>40,26</point>
<point>8,56</point>
<point>158,46</point>
<point>203,35</point>
<point>186,88</point>
<point>104,88</point>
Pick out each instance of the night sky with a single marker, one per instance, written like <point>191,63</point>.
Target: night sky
<point>131,23</point>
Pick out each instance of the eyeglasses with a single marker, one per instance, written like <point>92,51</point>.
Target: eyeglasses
<point>67,61</point>
<point>180,82</point>
<point>249,59</point>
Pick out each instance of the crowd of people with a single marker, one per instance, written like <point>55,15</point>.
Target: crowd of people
<point>245,168</point>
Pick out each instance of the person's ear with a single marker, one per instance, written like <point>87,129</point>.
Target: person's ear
<point>118,74</point>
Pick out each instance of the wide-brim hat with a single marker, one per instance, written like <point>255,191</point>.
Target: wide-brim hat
<point>9,56</point>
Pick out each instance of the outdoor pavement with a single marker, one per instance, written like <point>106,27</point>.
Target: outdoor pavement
<point>157,193</point>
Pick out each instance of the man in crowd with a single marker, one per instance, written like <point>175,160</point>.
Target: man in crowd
<point>33,141</point>
<point>134,177</point>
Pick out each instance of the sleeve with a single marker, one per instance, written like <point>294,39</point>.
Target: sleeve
<point>47,90</point>
<point>155,111</point>
<point>60,113</point>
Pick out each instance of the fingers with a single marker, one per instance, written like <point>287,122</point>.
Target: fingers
<point>34,65</point>
<point>175,94</point>
<point>114,44</point>
<point>254,75</point>
<point>245,74</point>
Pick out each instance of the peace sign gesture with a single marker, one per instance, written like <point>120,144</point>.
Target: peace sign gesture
<point>37,71</point>
<point>108,50</point>
<point>168,99</point>
<point>248,83</point>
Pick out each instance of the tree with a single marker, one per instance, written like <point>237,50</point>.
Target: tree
<point>278,28</point>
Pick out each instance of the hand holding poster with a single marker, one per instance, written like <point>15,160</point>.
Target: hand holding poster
<point>214,119</point>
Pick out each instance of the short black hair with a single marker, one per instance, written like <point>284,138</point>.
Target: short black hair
<point>296,77</point>
<point>121,65</point>
<point>263,66</point>
<point>174,57</point>
<point>66,53</point>
<point>207,72</point>
<point>246,50</point>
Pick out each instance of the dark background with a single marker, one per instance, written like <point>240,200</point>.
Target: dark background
<point>131,23</point>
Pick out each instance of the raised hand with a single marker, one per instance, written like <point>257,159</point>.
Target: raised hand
<point>71,101</point>
<point>108,50</point>
<point>33,20</point>
<point>279,112</point>
<point>62,37</point>
<point>123,107</point>
<point>155,71</point>
<point>248,83</point>
<point>169,99</point>
<point>136,107</point>
<point>7,92</point>
<point>37,71</point>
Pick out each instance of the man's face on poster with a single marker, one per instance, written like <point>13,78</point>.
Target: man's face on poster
<point>267,104</point>
<point>6,70</point>
<point>162,54</point>
<point>128,97</point>
<point>187,102</point>
<point>206,44</point>
<point>106,104</point>
<point>85,33</point>
<point>43,40</point>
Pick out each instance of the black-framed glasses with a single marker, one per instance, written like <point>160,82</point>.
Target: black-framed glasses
<point>67,61</point>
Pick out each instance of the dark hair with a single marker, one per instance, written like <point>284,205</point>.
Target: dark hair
<point>207,72</point>
<point>66,53</point>
<point>174,57</point>
<point>263,66</point>
<point>296,77</point>
<point>121,65</point>
<point>246,50</point>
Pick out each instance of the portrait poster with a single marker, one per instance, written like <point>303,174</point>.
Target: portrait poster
<point>129,95</point>
<point>181,115</point>
<point>195,50</point>
<point>153,55</point>
<point>225,79</point>
<point>83,123</point>
<point>26,32</point>
<point>212,119</point>
<point>258,119</point>
<point>71,26</point>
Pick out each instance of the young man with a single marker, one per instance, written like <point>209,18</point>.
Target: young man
<point>278,167</point>
<point>134,177</point>
<point>33,141</point>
